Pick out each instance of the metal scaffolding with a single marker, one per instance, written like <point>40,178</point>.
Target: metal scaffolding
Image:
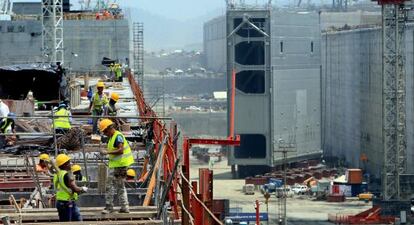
<point>393,98</point>
<point>52,31</point>
<point>138,41</point>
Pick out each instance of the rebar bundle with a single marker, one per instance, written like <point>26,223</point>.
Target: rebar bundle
<point>71,140</point>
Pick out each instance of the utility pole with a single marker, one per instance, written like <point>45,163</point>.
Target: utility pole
<point>284,148</point>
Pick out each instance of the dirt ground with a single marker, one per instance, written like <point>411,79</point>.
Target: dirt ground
<point>300,209</point>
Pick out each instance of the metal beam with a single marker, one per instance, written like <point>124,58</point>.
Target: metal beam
<point>393,98</point>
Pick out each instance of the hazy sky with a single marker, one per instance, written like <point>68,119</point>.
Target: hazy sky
<point>177,9</point>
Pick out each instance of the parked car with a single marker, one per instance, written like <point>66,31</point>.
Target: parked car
<point>287,191</point>
<point>300,189</point>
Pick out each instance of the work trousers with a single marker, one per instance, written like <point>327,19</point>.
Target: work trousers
<point>116,180</point>
<point>96,112</point>
<point>68,211</point>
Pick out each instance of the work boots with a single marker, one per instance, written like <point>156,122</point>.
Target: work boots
<point>124,210</point>
<point>108,209</point>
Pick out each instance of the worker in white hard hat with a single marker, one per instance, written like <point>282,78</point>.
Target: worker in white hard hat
<point>4,109</point>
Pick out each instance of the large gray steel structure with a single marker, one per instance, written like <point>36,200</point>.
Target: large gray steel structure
<point>352,98</point>
<point>86,42</point>
<point>276,56</point>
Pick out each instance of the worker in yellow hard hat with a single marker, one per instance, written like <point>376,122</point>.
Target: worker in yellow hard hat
<point>66,191</point>
<point>112,110</point>
<point>43,165</point>
<point>98,104</point>
<point>131,174</point>
<point>77,172</point>
<point>120,158</point>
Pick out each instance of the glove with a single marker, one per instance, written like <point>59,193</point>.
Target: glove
<point>84,189</point>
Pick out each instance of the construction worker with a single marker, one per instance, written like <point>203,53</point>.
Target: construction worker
<point>111,110</point>
<point>118,73</point>
<point>111,70</point>
<point>4,109</point>
<point>62,122</point>
<point>131,174</point>
<point>66,191</point>
<point>77,172</point>
<point>7,127</point>
<point>98,104</point>
<point>120,158</point>
<point>43,165</point>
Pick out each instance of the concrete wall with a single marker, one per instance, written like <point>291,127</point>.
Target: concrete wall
<point>215,44</point>
<point>331,20</point>
<point>296,83</point>
<point>91,40</point>
<point>352,97</point>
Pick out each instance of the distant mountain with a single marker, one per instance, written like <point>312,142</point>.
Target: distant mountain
<point>163,33</point>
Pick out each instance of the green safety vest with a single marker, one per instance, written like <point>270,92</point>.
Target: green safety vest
<point>118,72</point>
<point>112,110</point>
<point>63,193</point>
<point>123,160</point>
<point>62,122</point>
<point>99,102</point>
<point>6,125</point>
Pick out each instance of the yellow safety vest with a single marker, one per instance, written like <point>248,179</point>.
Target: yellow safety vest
<point>62,122</point>
<point>118,71</point>
<point>123,160</point>
<point>63,193</point>
<point>98,102</point>
<point>6,125</point>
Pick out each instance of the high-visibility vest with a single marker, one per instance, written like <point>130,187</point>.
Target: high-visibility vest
<point>118,71</point>
<point>62,122</point>
<point>63,193</point>
<point>112,110</point>
<point>124,160</point>
<point>6,125</point>
<point>98,102</point>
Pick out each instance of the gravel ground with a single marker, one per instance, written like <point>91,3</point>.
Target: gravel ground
<point>300,209</point>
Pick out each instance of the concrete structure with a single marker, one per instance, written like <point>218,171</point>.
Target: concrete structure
<point>214,41</point>
<point>332,20</point>
<point>90,40</point>
<point>277,85</point>
<point>352,97</point>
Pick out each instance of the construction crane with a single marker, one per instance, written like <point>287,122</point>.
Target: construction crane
<point>394,17</point>
<point>5,7</point>
<point>52,31</point>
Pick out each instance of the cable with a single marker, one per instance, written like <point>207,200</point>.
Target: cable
<point>199,201</point>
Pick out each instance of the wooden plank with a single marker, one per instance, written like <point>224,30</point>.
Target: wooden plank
<point>53,216</point>
<point>82,209</point>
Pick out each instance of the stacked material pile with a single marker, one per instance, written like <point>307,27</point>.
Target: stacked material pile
<point>33,126</point>
<point>71,140</point>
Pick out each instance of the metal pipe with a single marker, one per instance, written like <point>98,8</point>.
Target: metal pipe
<point>84,159</point>
<point>54,133</point>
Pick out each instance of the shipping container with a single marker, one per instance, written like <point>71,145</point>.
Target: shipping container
<point>353,176</point>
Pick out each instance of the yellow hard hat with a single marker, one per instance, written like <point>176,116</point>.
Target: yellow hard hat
<point>105,123</point>
<point>75,168</point>
<point>115,96</point>
<point>44,157</point>
<point>100,84</point>
<point>131,173</point>
<point>61,159</point>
